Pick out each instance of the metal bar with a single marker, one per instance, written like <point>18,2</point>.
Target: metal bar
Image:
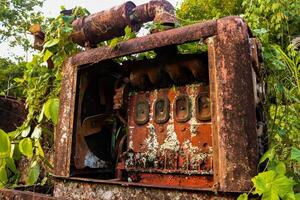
<point>64,128</point>
<point>141,44</point>
<point>233,106</point>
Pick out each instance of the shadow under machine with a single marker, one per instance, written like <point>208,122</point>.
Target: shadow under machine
<point>169,120</point>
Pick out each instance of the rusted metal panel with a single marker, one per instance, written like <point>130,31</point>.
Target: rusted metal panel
<point>176,151</point>
<point>147,43</point>
<point>101,191</point>
<point>7,194</point>
<point>233,106</point>
<point>12,113</point>
<point>64,128</point>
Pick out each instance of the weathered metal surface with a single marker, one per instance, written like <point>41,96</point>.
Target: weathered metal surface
<point>102,191</point>
<point>163,71</point>
<point>12,113</point>
<point>147,43</point>
<point>6,194</point>
<point>64,128</point>
<point>231,149</point>
<point>105,25</point>
<point>158,11</point>
<point>233,106</point>
<point>177,152</point>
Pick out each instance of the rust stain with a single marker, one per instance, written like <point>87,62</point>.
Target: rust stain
<point>207,140</point>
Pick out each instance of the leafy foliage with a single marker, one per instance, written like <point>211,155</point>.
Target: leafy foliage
<point>5,145</point>
<point>10,71</point>
<point>196,10</point>
<point>41,86</point>
<point>15,19</point>
<point>273,185</point>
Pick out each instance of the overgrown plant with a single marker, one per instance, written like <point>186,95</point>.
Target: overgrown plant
<point>281,176</point>
<point>41,83</point>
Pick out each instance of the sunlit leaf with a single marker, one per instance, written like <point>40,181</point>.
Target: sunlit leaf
<point>25,147</point>
<point>113,43</point>
<point>272,185</point>
<point>47,55</point>
<point>4,144</point>
<point>243,197</point>
<point>41,116</point>
<point>26,131</point>
<point>39,149</point>
<point>52,109</point>
<point>51,43</point>
<point>37,132</point>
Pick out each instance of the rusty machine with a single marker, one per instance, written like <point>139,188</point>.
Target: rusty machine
<point>183,121</point>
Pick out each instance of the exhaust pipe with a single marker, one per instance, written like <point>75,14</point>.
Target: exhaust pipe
<point>105,25</point>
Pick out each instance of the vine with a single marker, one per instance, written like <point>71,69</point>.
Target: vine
<point>41,83</point>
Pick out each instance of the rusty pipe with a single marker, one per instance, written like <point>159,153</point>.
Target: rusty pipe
<point>105,25</point>
<point>158,11</point>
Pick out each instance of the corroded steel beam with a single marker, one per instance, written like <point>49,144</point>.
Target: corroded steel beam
<point>233,106</point>
<point>156,40</point>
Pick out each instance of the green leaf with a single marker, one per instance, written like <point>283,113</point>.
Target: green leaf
<point>295,154</point>
<point>268,155</point>
<point>4,144</point>
<point>52,109</point>
<point>33,173</point>
<point>44,181</point>
<point>280,168</point>
<point>37,132</point>
<point>3,175</point>
<point>25,147</point>
<point>16,154</point>
<point>272,185</point>
<point>39,149</point>
<point>41,116</point>
<point>11,165</point>
<point>47,55</point>
<point>113,43</point>
<point>243,197</point>
<point>51,43</point>
<point>127,30</point>
<point>26,131</point>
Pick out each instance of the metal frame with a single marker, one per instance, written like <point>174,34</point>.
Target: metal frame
<point>231,92</point>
